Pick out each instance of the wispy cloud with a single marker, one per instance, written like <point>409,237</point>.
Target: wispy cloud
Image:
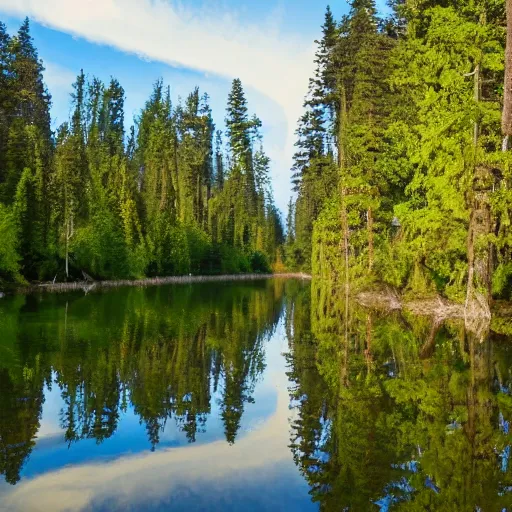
<point>138,480</point>
<point>58,79</point>
<point>209,39</point>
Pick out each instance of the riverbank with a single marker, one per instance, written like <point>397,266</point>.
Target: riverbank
<point>88,286</point>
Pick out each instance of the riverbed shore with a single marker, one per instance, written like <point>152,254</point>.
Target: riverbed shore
<point>153,281</point>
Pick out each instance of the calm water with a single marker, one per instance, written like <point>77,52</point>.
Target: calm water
<point>247,396</point>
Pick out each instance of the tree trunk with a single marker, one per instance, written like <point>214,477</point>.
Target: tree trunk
<point>344,215</point>
<point>67,249</point>
<point>478,291</point>
<point>70,229</point>
<point>369,338</point>
<point>370,238</point>
<point>506,120</point>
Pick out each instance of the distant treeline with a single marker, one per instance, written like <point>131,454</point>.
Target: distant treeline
<point>403,170</point>
<point>166,198</point>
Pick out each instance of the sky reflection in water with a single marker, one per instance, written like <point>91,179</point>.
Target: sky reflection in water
<point>248,396</point>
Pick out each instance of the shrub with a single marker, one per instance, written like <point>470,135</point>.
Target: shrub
<point>9,257</point>
<point>259,263</point>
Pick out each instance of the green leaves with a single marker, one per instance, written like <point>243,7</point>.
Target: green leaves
<point>165,202</point>
<point>9,257</point>
<point>415,117</point>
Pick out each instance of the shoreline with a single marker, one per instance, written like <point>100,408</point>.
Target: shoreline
<point>88,286</point>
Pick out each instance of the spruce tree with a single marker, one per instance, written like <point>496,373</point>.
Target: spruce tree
<point>219,161</point>
<point>6,98</point>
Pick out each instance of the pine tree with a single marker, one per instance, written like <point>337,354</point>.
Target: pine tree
<point>32,100</point>
<point>237,123</point>
<point>323,87</point>
<point>6,111</point>
<point>219,161</point>
<point>240,132</point>
<point>165,202</point>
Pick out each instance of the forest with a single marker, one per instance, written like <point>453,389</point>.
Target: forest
<point>401,176</point>
<point>403,167</point>
<point>171,195</point>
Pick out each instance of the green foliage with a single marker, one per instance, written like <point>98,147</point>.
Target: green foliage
<point>259,263</point>
<point>416,101</point>
<point>502,280</point>
<point>171,354</point>
<point>199,248</point>
<point>99,247</point>
<point>9,257</point>
<point>405,413</point>
<point>233,261</point>
<point>165,202</point>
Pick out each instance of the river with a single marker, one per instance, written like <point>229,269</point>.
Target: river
<point>248,396</point>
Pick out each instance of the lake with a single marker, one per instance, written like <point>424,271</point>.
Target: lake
<point>257,395</point>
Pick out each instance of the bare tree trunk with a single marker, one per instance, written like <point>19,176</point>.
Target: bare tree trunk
<point>479,275</point>
<point>70,229</point>
<point>370,238</point>
<point>430,343</point>
<point>67,253</point>
<point>477,97</point>
<point>369,339</point>
<point>67,249</point>
<point>506,120</point>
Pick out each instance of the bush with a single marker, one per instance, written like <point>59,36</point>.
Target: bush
<point>100,249</point>
<point>233,261</point>
<point>9,257</point>
<point>259,263</point>
<point>200,250</point>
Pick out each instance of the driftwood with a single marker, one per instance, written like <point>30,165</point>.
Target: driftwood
<point>87,277</point>
<point>390,300</point>
<point>87,286</point>
<point>438,309</point>
<point>383,300</point>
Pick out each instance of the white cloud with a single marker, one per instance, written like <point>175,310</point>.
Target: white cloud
<point>208,39</point>
<point>58,77</point>
<point>58,80</point>
<point>148,478</point>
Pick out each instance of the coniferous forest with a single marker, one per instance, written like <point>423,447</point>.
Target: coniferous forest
<point>401,175</point>
<point>172,196</point>
<point>403,163</point>
<point>385,383</point>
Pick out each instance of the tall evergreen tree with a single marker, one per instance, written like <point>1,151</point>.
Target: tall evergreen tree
<point>165,201</point>
<point>219,161</point>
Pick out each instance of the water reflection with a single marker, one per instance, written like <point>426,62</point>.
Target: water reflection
<point>163,353</point>
<point>404,413</point>
<point>365,411</point>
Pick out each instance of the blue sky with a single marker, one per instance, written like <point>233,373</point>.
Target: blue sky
<point>266,43</point>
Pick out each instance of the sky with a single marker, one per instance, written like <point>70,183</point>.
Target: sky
<point>268,44</point>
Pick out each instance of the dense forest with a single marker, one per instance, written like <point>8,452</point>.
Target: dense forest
<point>170,196</point>
<point>403,163</point>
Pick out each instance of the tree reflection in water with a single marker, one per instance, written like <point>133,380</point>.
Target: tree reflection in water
<point>408,414</point>
<point>390,412</point>
<point>161,351</point>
